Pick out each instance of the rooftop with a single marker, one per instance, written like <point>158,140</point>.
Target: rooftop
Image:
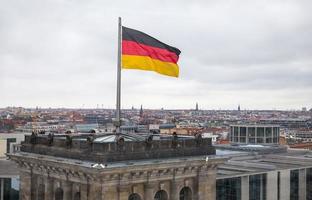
<point>116,147</point>
<point>242,163</point>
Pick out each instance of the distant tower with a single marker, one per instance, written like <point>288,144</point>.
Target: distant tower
<point>196,106</point>
<point>238,107</point>
<point>141,111</point>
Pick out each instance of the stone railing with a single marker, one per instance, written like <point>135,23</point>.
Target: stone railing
<point>80,148</point>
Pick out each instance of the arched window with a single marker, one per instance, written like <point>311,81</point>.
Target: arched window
<point>186,194</point>
<point>59,194</point>
<point>134,196</point>
<point>41,191</point>
<point>77,196</point>
<point>161,195</point>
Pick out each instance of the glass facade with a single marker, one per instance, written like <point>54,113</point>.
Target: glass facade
<point>309,183</point>
<point>229,189</point>
<point>10,188</point>
<point>257,187</point>
<point>254,134</point>
<point>294,184</point>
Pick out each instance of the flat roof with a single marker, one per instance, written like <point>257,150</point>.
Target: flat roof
<point>254,163</point>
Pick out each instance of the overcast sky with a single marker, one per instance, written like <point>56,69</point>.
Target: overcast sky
<point>62,53</point>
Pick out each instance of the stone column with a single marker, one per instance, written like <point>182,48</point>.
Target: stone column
<point>271,185</point>
<point>95,191</point>
<point>174,189</point>
<point>123,192</point>
<point>211,182</point>
<point>285,185</point>
<point>34,186</point>
<point>302,184</point>
<point>109,193</point>
<point>245,187</point>
<point>25,185</point>
<point>83,191</point>
<point>67,188</point>
<point>202,185</point>
<point>149,191</point>
<point>48,188</point>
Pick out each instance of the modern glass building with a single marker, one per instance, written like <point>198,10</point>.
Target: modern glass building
<point>254,134</point>
<point>9,188</point>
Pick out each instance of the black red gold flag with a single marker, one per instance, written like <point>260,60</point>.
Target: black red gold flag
<point>141,51</point>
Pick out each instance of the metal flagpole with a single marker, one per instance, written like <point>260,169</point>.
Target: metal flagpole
<point>118,120</point>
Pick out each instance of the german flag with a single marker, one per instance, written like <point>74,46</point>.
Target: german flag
<point>141,51</point>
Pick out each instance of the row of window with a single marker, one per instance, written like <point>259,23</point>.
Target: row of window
<point>252,131</point>
<point>230,189</point>
<point>185,194</point>
<point>254,140</point>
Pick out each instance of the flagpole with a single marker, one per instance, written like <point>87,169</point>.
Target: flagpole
<point>118,120</point>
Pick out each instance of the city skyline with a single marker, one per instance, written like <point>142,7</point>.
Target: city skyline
<point>63,54</point>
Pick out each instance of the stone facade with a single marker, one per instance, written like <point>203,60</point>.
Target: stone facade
<point>74,169</point>
<point>49,178</point>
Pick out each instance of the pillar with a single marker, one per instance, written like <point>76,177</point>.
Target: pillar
<point>174,190</point>
<point>149,191</point>
<point>271,185</point>
<point>83,191</point>
<point>212,175</point>
<point>302,184</point>
<point>67,188</point>
<point>285,185</point>
<point>245,187</point>
<point>25,185</point>
<point>95,191</point>
<point>123,192</point>
<point>109,193</point>
<point>48,188</point>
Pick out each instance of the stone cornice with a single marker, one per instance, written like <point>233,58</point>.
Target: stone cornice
<point>136,173</point>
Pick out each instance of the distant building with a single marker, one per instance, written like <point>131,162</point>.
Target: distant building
<point>141,111</point>
<point>254,134</point>
<point>96,119</point>
<point>273,173</point>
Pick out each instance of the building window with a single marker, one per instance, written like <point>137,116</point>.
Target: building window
<point>251,132</point>
<point>243,131</point>
<point>243,140</point>
<point>294,184</point>
<point>275,131</point>
<point>186,194</point>
<point>268,132</point>
<point>134,196</point>
<point>9,141</point>
<point>236,131</point>
<point>257,187</point>
<point>8,189</point>
<point>228,189</point>
<point>59,194</point>
<point>161,195</point>
<point>260,132</point>
<point>77,196</point>
<point>252,140</point>
<point>259,140</point>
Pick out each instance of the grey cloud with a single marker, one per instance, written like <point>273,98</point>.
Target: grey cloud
<point>65,51</point>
